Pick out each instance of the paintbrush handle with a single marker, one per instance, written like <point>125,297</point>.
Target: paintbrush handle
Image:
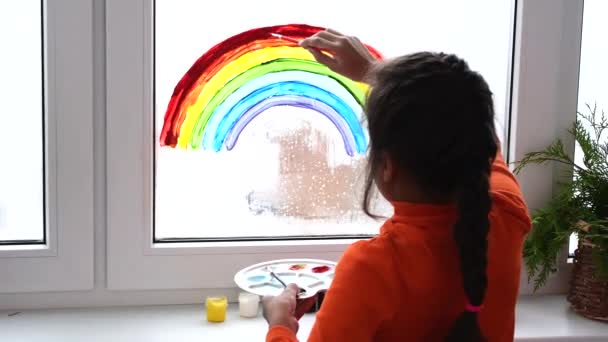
<point>293,40</point>
<point>278,279</point>
<point>289,39</point>
<point>300,290</point>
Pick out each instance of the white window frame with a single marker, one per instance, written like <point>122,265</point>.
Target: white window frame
<point>544,103</point>
<point>65,261</point>
<point>543,54</point>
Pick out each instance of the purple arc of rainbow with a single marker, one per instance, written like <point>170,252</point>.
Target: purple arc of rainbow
<point>296,101</point>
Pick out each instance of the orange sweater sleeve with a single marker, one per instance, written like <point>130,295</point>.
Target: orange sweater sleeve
<point>502,179</point>
<point>504,184</point>
<point>279,333</point>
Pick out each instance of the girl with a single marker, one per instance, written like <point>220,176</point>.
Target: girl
<point>446,265</point>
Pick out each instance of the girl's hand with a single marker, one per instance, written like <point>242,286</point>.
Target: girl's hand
<point>281,310</point>
<point>285,309</point>
<point>349,56</point>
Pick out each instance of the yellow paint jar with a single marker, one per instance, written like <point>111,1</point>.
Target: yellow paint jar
<point>216,309</point>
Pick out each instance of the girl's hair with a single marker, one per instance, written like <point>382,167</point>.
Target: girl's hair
<point>435,118</point>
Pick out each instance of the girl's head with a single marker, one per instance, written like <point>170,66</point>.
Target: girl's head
<point>431,126</point>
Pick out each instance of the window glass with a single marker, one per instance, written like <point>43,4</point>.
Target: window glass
<point>21,122</point>
<point>253,140</point>
<point>592,88</point>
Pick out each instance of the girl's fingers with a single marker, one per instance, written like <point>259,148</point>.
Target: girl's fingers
<point>292,290</point>
<point>359,46</point>
<point>329,36</point>
<point>332,31</point>
<point>323,58</point>
<point>319,42</point>
<point>345,55</point>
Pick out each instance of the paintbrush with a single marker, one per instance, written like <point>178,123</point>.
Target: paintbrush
<point>293,40</point>
<point>289,39</point>
<point>278,279</point>
<point>283,283</point>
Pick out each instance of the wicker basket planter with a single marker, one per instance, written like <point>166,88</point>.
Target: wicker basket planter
<point>587,295</point>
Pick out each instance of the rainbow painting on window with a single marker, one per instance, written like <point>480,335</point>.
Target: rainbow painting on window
<point>241,77</point>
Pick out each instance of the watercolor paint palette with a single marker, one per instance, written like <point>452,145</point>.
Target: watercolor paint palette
<point>311,275</point>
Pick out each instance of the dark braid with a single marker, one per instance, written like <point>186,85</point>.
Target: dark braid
<point>470,233</point>
<point>435,118</point>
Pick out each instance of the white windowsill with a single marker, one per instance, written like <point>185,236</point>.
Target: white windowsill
<point>541,318</point>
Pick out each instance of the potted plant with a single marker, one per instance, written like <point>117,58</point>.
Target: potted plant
<point>579,207</point>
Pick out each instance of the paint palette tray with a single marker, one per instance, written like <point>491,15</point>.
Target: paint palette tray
<point>311,275</point>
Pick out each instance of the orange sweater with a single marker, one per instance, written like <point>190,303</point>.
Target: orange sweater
<point>405,284</point>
